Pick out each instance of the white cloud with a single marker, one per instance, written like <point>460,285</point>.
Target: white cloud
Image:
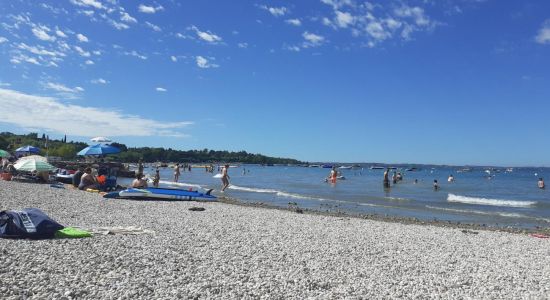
<point>173,58</point>
<point>3,39</point>
<point>295,22</point>
<point>337,4</point>
<point>118,25</point>
<point>58,87</point>
<point>89,62</point>
<point>543,36</point>
<point>124,16</point>
<point>60,33</point>
<point>377,31</point>
<point>50,114</point>
<point>242,45</point>
<point>416,13</point>
<point>275,11</point>
<point>24,58</point>
<point>99,81</point>
<point>204,63</point>
<point>292,48</point>
<point>134,53</point>
<point>312,40</point>
<point>41,32</point>
<point>343,19</point>
<point>207,35</point>
<point>82,38</point>
<point>5,84</point>
<point>153,26</point>
<point>39,50</point>
<point>149,9</point>
<point>92,3</point>
<point>160,89</point>
<point>82,52</point>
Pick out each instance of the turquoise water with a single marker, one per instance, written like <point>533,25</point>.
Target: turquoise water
<point>479,196</point>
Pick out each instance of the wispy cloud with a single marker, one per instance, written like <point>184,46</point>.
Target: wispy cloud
<point>60,33</point>
<point>543,36</point>
<point>50,114</point>
<point>88,3</point>
<point>58,87</point>
<point>118,25</point>
<point>204,63</point>
<point>295,22</point>
<point>153,26</point>
<point>3,39</point>
<point>99,81</point>
<point>134,53</point>
<point>89,62</point>
<point>82,52</point>
<point>161,89</point>
<point>125,17</point>
<point>82,38</point>
<point>149,9</point>
<point>275,11</point>
<point>206,35</point>
<point>242,45</point>
<point>42,33</point>
<point>312,39</point>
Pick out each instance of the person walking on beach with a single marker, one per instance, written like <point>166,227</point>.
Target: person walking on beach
<point>177,173</point>
<point>387,178</point>
<point>225,177</point>
<point>541,183</point>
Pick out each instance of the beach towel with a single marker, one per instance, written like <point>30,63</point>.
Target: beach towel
<point>30,223</point>
<point>71,233</point>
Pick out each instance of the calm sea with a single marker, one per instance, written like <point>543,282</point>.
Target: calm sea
<point>482,196</point>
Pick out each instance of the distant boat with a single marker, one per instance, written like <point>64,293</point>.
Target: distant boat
<point>376,168</point>
<point>326,166</point>
<point>464,170</point>
<point>345,167</point>
<point>314,166</point>
<point>509,170</point>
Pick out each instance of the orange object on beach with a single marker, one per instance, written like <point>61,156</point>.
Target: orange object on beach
<point>101,179</point>
<point>6,176</point>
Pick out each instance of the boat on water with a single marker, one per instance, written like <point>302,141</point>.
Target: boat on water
<point>314,166</point>
<point>327,166</point>
<point>345,167</point>
<point>376,168</point>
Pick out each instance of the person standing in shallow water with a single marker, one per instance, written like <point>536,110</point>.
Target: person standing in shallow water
<point>541,183</point>
<point>436,185</point>
<point>156,180</point>
<point>225,177</point>
<point>387,178</point>
<point>177,173</point>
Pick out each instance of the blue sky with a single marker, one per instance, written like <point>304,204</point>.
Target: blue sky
<point>446,82</point>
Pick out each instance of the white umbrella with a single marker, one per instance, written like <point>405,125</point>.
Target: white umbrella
<point>33,157</point>
<point>31,165</point>
<point>101,139</point>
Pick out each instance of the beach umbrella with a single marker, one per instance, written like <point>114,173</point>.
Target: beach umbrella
<point>4,153</point>
<point>99,149</point>
<point>27,149</point>
<point>101,139</point>
<point>35,157</point>
<point>31,165</point>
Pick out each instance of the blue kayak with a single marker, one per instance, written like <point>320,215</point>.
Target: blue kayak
<point>161,194</point>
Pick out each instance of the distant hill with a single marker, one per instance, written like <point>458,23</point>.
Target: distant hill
<point>68,149</point>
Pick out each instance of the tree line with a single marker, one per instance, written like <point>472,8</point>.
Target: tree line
<point>67,150</point>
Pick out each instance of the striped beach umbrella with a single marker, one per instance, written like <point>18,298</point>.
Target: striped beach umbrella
<point>31,165</point>
<point>4,153</point>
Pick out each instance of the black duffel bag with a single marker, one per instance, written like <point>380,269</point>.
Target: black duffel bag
<point>31,223</point>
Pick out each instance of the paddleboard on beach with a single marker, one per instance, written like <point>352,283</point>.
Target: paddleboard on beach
<point>160,194</point>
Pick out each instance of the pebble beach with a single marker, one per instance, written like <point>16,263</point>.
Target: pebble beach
<point>239,252</point>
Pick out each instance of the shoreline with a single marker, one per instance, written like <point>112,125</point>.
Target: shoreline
<point>389,218</point>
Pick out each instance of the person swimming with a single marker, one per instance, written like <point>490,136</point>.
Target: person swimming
<point>436,185</point>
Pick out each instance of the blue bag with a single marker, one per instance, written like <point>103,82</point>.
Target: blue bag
<point>29,223</point>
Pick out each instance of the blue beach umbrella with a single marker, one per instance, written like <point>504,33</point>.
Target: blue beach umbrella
<point>99,149</point>
<point>27,149</point>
